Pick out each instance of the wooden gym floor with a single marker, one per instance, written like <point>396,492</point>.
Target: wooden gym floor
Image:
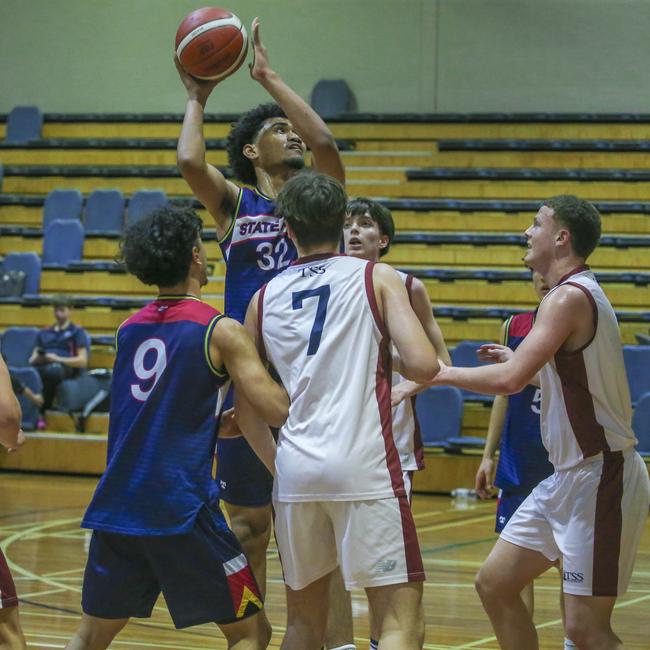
<point>46,550</point>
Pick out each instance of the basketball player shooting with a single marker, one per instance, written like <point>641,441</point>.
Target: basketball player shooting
<point>591,511</point>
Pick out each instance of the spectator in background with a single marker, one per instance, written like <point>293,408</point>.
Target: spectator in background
<point>61,350</point>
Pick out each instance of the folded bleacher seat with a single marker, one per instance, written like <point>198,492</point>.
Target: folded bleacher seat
<point>104,211</point>
<point>30,264</point>
<point>143,203</point>
<point>63,242</point>
<point>30,377</point>
<point>637,367</point>
<point>439,411</point>
<point>332,97</point>
<point>62,204</point>
<point>641,424</point>
<point>17,345</point>
<point>24,123</point>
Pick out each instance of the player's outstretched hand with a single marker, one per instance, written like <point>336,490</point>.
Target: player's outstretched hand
<point>484,477</point>
<point>198,89</point>
<point>260,67</point>
<point>20,441</point>
<point>494,352</point>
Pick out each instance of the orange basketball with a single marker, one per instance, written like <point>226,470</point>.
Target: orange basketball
<point>211,43</point>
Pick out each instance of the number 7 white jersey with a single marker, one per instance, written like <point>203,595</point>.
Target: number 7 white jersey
<point>321,329</point>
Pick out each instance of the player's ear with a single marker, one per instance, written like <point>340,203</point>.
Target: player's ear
<point>250,151</point>
<point>563,236</point>
<point>383,241</point>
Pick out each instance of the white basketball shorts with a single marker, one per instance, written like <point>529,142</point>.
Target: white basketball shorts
<point>374,542</point>
<point>592,517</point>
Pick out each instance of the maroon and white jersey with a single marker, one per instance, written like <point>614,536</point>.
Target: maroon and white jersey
<point>321,329</point>
<point>586,405</point>
<point>405,425</point>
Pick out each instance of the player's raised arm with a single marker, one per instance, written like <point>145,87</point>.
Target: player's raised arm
<point>560,318</point>
<point>207,183</point>
<point>326,158</point>
<point>419,361</point>
<point>10,413</point>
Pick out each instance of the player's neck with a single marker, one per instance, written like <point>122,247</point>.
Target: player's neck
<point>559,269</point>
<point>321,249</point>
<point>190,287</point>
<point>269,183</point>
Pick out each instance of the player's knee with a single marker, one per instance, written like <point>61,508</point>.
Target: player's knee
<point>253,529</point>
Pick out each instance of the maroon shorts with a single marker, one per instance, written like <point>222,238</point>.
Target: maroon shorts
<point>8,596</point>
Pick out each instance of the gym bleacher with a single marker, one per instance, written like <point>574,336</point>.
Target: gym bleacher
<point>462,189</point>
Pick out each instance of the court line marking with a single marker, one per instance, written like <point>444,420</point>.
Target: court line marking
<point>455,524</point>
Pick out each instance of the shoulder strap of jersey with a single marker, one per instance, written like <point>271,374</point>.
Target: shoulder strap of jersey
<point>506,330</point>
<point>219,372</point>
<point>235,214</point>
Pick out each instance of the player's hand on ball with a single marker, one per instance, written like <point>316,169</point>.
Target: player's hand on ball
<point>196,88</point>
<point>494,352</point>
<point>260,66</point>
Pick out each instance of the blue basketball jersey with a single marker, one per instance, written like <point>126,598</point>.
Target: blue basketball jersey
<point>523,459</point>
<point>255,248</point>
<point>165,398</point>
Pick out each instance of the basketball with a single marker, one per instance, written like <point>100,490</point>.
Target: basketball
<point>211,43</point>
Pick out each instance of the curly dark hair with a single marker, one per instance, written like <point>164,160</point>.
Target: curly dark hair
<point>158,249</point>
<point>243,132</point>
<point>378,213</point>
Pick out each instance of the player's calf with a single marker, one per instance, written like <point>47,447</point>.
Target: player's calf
<point>253,633</point>
<point>11,634</point>
<point>95,633</point>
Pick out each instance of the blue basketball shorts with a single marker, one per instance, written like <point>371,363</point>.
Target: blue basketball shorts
<point>507,505</point>
<point>203,575</point>
<point>242,478</point>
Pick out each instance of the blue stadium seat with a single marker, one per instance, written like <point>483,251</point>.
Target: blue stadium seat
<point>104,211</point>
<point>143,203</point>
<point>31,379</point>
<point>30,263</point>
<point>637,367</point>
<point>63,242</point>
<point>62,204</point>
<point>440,413</point>
<point>17,345</point>
<point>641,424</point>
<point>464,355</point>
<point>24,123</point>
<point>332,97</point>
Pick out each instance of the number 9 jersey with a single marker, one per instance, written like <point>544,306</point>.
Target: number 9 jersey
<point>255,248</point>
<point>165,398</point>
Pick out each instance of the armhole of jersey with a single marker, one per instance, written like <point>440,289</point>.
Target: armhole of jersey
<point>234,217</point>
<point>594,316</point>
<point>206,347</point>
<point>506,331</point>
<point>260,322</point>
<point>117,332</point>
<point>372,299</point>
<point>409,287</point>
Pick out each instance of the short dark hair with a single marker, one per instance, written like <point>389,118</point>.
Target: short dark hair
<point>243,132</point>
<point>581,219</point>
<point>378,213</point>
<point>313,205</point>
<point>61,300</point>
<point>158,249</point>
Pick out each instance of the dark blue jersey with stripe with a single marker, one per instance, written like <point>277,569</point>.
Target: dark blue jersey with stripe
<point>255,248</point>
<point>165,398</point>
<point>523,459</point>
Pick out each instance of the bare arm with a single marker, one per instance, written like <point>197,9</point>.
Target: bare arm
<point>80,360</point>
<point>418,358</point>
<point>207,183</point>
<point>563,316</point>
<point>485,474</point>
<point>10,413</point>
<point>255,430</point>
<point>424,312</point>
<point>233,347</point>
<point>326,158</point>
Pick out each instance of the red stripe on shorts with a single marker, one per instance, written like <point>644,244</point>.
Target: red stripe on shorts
<point>414,566</point>
<point>608,525</point>
<point>8,597</point>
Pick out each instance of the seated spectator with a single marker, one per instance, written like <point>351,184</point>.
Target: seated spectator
<point>61,350</point>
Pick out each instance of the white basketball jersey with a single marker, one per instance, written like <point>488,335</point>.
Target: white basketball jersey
<point>405,428</point>
<point>322,330</point>
<point>586,405</point>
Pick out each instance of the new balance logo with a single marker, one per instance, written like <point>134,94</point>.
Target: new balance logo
<point>571,576</point>
<point>384,566</point>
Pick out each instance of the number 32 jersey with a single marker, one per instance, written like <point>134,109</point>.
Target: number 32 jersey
<point>165,395</point>
<point>255,248</point>
<point>322,331</point>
